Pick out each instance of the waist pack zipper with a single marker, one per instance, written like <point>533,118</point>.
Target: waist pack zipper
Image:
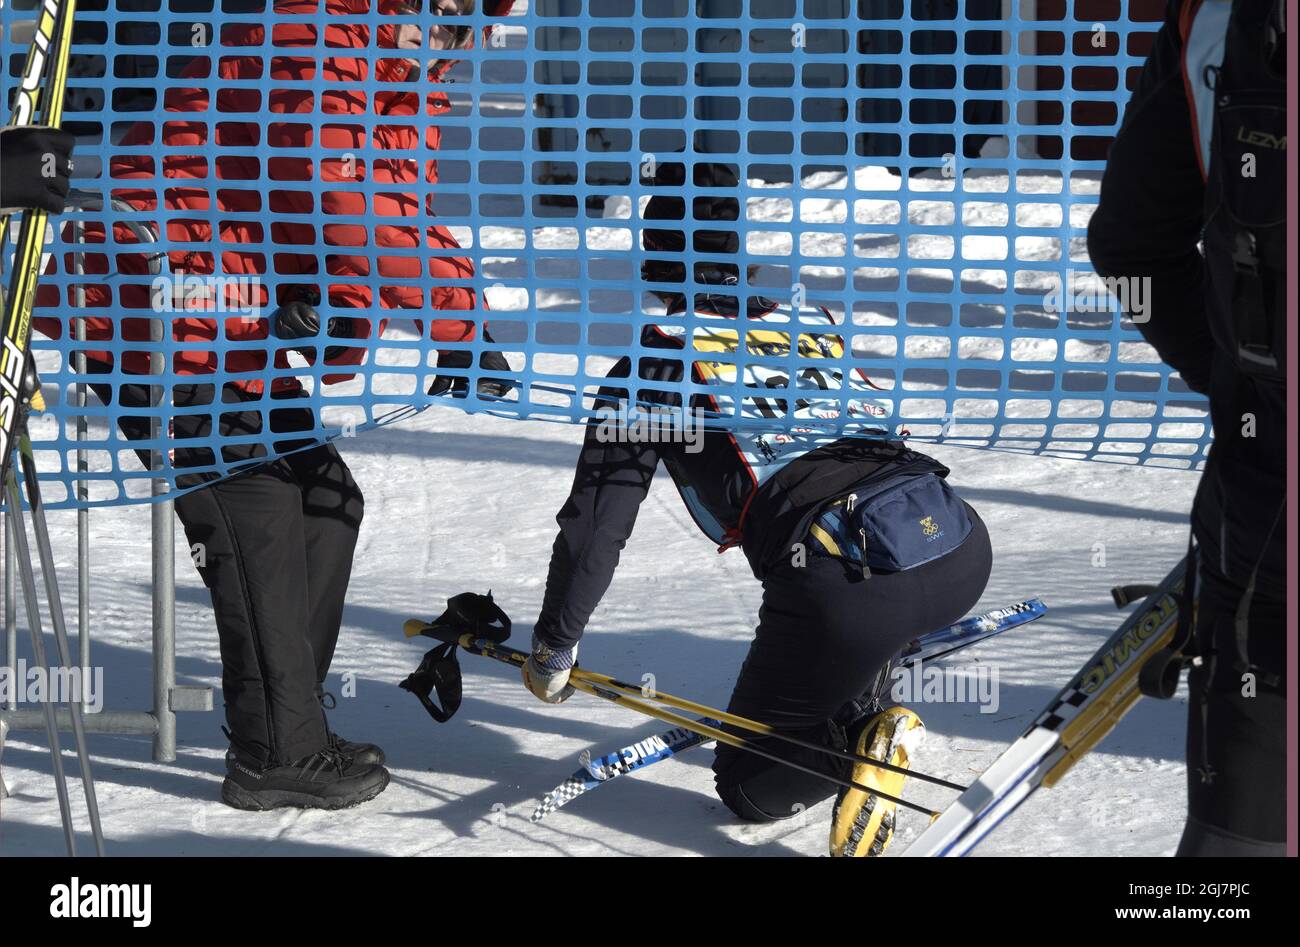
<point>849,500</point>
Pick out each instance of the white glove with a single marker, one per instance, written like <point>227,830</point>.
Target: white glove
<point>546,672</point>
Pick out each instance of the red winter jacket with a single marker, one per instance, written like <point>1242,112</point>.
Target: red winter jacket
<point>249,143</point>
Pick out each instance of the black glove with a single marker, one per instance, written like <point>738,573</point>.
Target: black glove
<point>456,384</point>
<point>296,320</point>
<point>35,164</point>
<point>459,384</point>
<point>299,320</point>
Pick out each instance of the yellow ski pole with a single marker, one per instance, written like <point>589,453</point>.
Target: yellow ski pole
<point>415,627</point>
<point>745,723</point>
<point>596,685</point>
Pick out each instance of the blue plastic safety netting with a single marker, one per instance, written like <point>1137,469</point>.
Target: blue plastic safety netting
<point>863,216</point>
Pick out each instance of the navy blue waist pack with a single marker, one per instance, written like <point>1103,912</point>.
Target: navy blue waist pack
<point>893,525</point>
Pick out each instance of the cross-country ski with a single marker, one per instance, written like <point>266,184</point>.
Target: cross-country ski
<point>1075,721</point>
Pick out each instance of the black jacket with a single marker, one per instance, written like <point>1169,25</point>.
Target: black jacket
<point>1148,225</point>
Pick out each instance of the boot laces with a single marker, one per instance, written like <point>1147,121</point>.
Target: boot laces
<point>317,763</point>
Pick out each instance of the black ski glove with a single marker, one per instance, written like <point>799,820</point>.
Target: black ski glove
<point>296,320</point>
<point>35,164</point>
<point>299,320</point>
<point>459,384</point>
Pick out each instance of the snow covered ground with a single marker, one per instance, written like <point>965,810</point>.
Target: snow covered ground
<point>459,503</point>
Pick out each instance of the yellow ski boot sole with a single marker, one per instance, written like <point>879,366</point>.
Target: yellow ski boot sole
<point>862,824</point>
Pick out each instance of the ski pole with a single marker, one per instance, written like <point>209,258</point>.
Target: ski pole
<point>415,627</point>
<point>754,726</point>
<point>591,683</point>
<point>28,581</point>
<point>740,743</point>
<point>40,529</point>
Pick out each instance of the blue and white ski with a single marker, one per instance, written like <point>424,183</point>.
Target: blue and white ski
<point>647,751</point>
<point>629,759</point>
<point>969,631</point>
<point>597,770</point>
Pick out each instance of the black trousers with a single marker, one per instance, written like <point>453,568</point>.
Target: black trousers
<point>274,547</point>
<point>1148,224</point>
<point>1236,732</point>
<point>824,634</point>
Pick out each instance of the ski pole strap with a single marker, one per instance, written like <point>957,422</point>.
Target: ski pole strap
<point>440,671</point>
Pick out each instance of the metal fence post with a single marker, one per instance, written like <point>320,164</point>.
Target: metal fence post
<point>11,609</point>
<point>168,697</point>
<point>83,463</point>
<point>164,630</point>
<point>164,572</point>
<point>11,636</point>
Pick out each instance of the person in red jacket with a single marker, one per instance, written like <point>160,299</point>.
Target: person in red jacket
<point>278,537</point>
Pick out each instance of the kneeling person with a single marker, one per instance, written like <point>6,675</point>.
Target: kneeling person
<point>860,546</point>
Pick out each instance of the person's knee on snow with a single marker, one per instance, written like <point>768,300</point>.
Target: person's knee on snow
<point>758,789</point>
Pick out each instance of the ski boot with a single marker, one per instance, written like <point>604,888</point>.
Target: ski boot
<point>862,824</point>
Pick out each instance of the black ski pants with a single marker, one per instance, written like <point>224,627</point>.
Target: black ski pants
<point>1148,224</point>
<point>274,546</point>
<point>1236,723</point>
<point>824,635</point>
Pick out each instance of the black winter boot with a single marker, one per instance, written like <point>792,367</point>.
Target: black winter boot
<point>363,753</point>
<point>324,780</point>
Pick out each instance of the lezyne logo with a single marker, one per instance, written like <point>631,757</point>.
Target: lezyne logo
<point>1133,642</point>
<point>1260,139</point>
<point>74,899</point>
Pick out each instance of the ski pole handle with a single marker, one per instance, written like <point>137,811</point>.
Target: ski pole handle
<point>414,628</point>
